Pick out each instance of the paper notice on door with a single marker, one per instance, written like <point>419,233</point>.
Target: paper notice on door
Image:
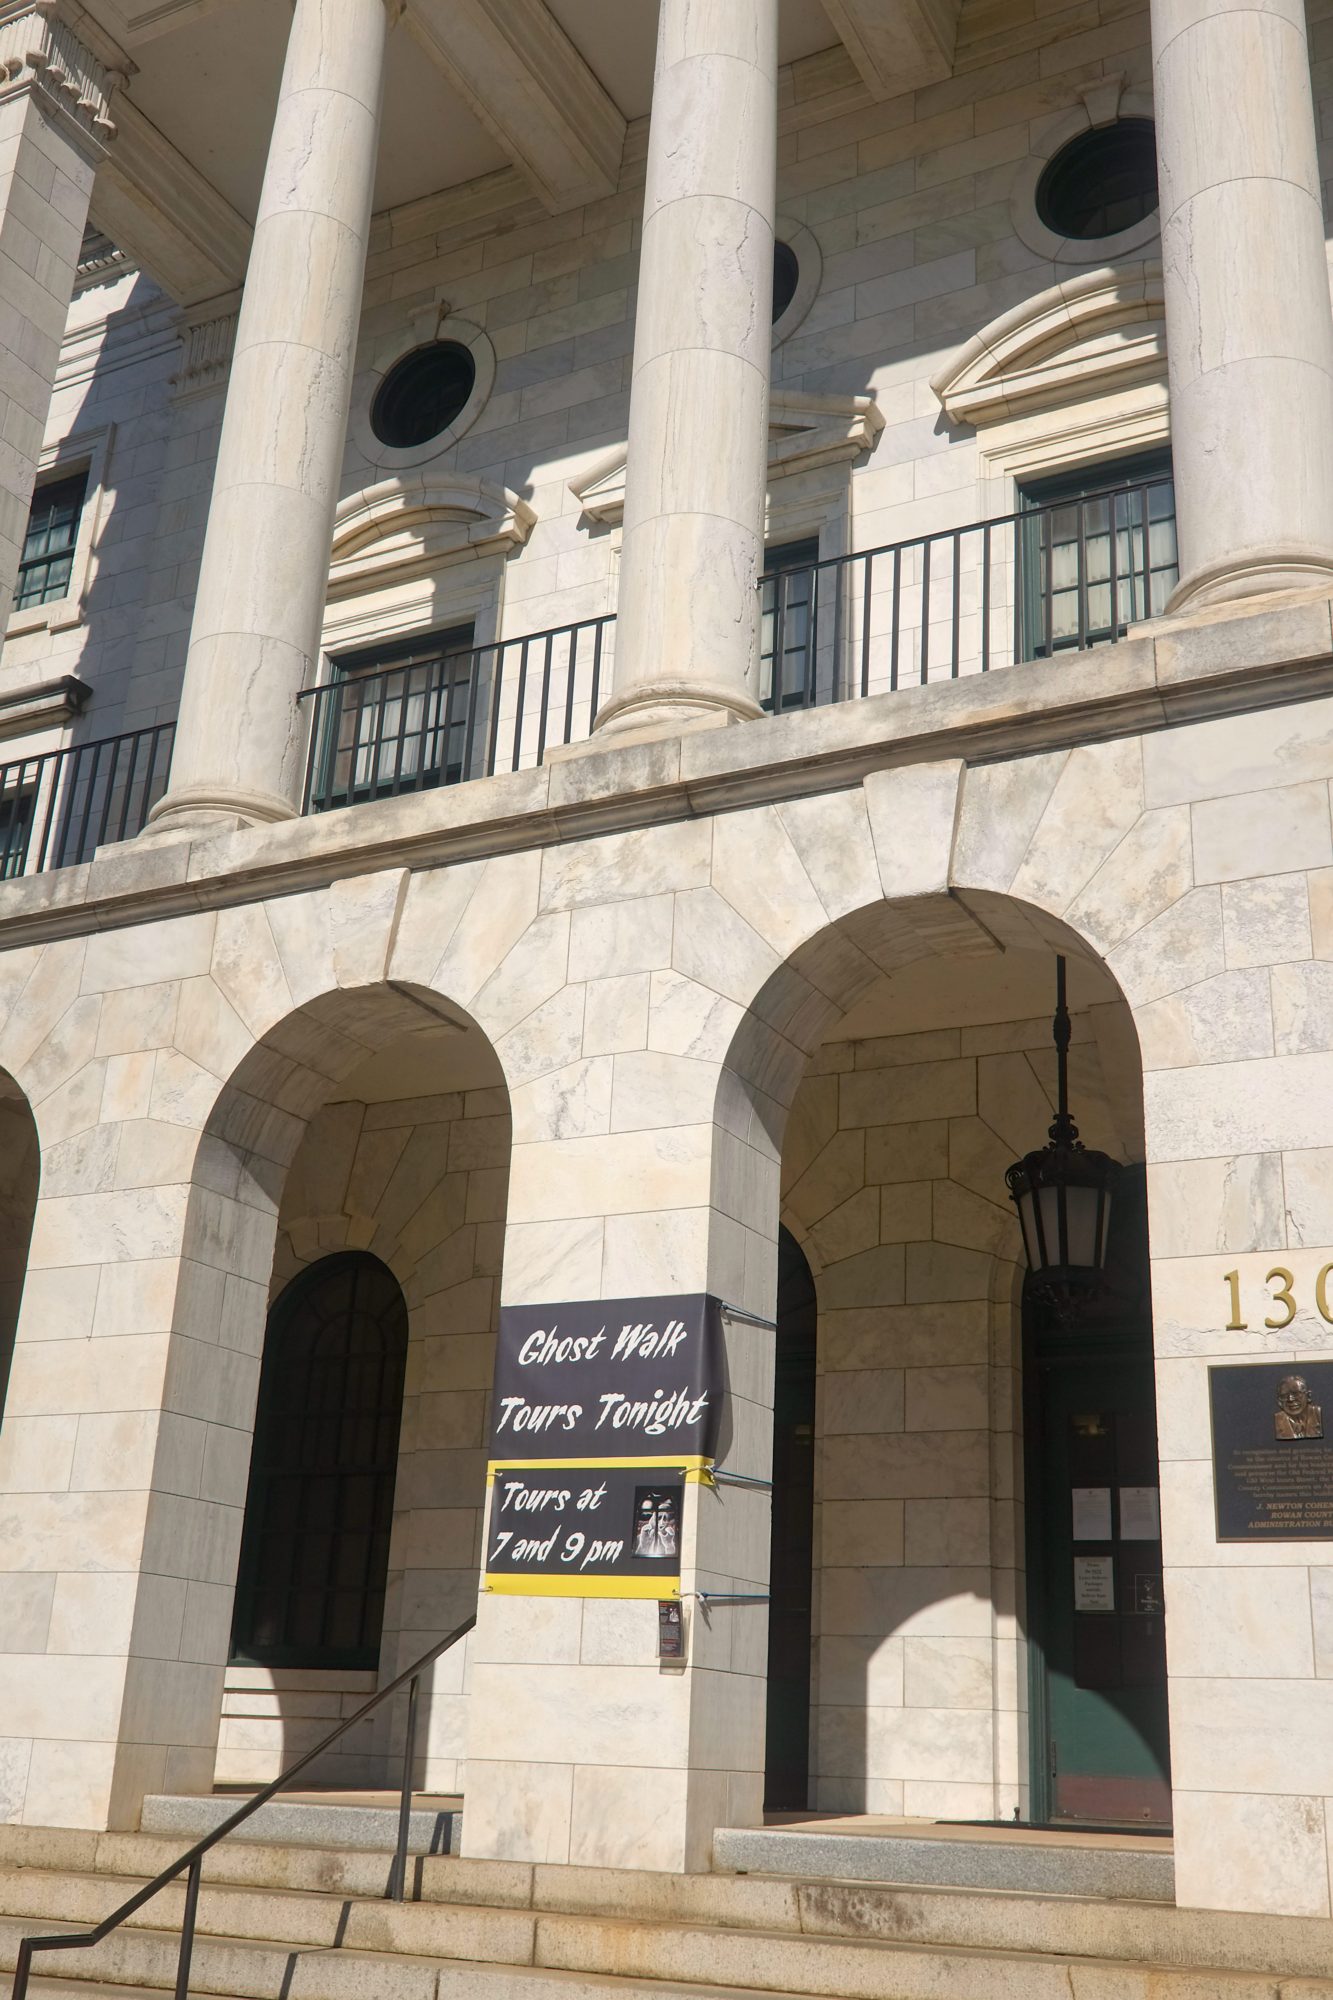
<point>1092,1513</point>
<point>1094,1583</point>
<point>1140,1514</point>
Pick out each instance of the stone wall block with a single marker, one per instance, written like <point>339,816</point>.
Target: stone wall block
<point>757,869</point>
<point>1002,806</point>
<point>1150,869</point>
<point>1178,949</point>
<point>364,912</point>
<point>1094,803</point>
<point>533,970</point>
<point>914,815</point>
<point>832,838</point>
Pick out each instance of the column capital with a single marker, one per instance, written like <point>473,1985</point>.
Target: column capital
<point>41,53</point>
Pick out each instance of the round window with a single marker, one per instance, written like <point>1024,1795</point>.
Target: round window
<point>423,394</point>
<point>1101,182</point>
<point>786,272</point>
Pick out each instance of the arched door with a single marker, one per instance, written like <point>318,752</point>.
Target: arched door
<point>315,1546</point>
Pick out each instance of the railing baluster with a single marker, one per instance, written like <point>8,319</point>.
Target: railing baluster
<point>522,697</point>
<point>1048,549</point>
<point>545,698</point>
<point>957,595</point>
<point>811,645</point>
<point>493,745</point>
<point>571,668</point>
<point>1147,553</point>
<point>602,624</point>
<point>1115,572</point>
<point>925,610</point>
<point>1082,592</point>
<point>897,618</point>
<point>985,597</point>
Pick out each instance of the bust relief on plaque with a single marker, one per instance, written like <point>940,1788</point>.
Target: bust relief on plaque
<point>1296,1416</point>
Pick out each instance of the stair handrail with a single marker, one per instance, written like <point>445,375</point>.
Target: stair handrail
<point>193,1858</point>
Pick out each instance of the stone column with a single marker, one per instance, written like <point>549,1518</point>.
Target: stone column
<point>54,124</point>
<point>1249,329</point>
<point>687,646</point>
<point>262,585</point>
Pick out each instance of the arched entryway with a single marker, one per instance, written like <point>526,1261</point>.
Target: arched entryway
<point>319,1509</point>
<point>943,1561</point>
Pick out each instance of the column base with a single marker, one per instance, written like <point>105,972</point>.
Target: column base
<point>206,809</point>
<point>1267,571</point>
<point>665,708</point>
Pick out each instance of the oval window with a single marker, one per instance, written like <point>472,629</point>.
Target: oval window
<point>423,394</point>
<point>786,273</point>
<point>1102,182</point>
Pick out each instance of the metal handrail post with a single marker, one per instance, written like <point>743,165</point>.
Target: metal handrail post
<point>192,1882</point>
<point>398,1876</point>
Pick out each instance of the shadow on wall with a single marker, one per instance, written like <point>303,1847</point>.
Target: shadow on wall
<point>20,1163</point>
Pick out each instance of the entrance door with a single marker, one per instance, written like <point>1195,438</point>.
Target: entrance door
<point>1096,1613</point>
<point>787,1762</point>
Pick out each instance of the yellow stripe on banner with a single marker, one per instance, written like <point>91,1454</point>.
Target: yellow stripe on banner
<point>582,1586</point>
<point>693,1464</point>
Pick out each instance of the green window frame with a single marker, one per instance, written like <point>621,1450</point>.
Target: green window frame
<point>1107,530</point>
<point>46,567</point>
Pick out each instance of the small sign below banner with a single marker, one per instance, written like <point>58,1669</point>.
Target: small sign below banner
<point>586,1531</point>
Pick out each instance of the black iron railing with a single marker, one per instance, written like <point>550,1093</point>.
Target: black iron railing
<point>191,1863</point>
<point>60,807</point>
<point>966,600</point>
<point>438,721</point>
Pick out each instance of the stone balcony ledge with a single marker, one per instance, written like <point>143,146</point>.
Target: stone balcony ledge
<point>1242,656</point>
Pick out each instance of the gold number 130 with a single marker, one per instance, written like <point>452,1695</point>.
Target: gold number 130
<point>1283,1281</point>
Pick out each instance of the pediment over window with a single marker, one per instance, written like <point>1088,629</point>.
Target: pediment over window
<point>1090,336</point>
<point>417,522</point>
<point>803,431</point>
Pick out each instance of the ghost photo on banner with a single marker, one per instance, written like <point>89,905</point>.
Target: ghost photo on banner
<point>656,1524</point>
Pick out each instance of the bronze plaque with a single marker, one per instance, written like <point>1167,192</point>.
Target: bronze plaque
<point>1272,1463</point>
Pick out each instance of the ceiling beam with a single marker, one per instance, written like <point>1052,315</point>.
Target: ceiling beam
<point>516,69</point>
<point>162,212</point>
<point>897,45</point>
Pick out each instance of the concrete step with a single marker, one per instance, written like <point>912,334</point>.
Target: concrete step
<point>485,1910</point>
<point>625,1960</point>
<point>1047,1869</point>
<point>312,1823</point>
<point>809,1938</point>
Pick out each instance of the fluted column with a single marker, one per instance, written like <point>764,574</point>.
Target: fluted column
<point>1249,329</point>
<point>688,633</point>
<point>55,122</point>
<point>262,585</point>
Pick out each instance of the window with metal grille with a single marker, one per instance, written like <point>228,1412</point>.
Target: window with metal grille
<point>786,592</point>
<point>47,565</point>
<point>16,810</point>
<point>407,718</point>
<point>315,1545</point>
<point>1099,538</point>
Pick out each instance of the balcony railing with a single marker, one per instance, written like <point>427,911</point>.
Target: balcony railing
<point>460,715</point>
<point>58,808</point>
<point>962,601</point>
<point>1025,586</point>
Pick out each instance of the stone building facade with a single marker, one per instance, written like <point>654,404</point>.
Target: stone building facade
<point>695,929</point>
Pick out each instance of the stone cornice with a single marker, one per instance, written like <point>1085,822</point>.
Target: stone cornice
<point>41,705</point>
<point>39,52</point>
<point>1229,661</point>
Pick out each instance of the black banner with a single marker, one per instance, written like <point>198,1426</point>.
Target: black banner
<point>1273,1451</point>
<point>609,1379</point>
<point>586,1531</point>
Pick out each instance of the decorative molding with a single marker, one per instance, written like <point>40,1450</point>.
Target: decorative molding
<point>516,69</point>
<point>1089,336</point>
<point>44,705</point>
<point>38,52</point>
<point>804,431</point>
<point>208,341</point>
<point>99,260</point>
<point>160,210</point>
<point>434,323</point>
<point>1100,103</point>
<point>900,47</point>
<point>417,522</point>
